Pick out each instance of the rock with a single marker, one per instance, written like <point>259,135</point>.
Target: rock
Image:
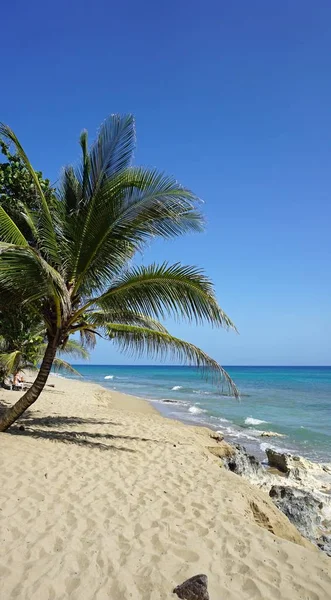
<point>223,450</point>
<point>324,543</point>
<point>217,436</point>
<point>194,588</point>
<point>21,428</point>
<point>243,463</point>
<point>271,434</point>
<point>301,507</point>
<point>278,460</point>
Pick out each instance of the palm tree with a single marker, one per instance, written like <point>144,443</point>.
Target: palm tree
<point>23,345</point>
<point>78,266</point>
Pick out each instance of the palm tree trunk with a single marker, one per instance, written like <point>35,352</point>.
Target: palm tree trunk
<point>33,393</point>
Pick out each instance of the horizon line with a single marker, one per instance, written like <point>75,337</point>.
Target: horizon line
<point>195,367</point>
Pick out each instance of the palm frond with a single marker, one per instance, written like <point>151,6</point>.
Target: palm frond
<point>62,365</point>
<point>110,155</point>
<point>9,232</point>
<point>75,349</point>
<point>113,150</point>
<point>85,164</point>
<point>47,230</point>
<point>129,210</point>
<point>100,319</point>
<point>70,191</point>
<point>24,273</point>
<point>161,290</point>
<point>10,360</point>
<point>139,340</point>
<point>88,337</point>
<point>31,220</point>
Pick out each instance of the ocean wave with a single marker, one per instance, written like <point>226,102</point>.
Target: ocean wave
<point>195,410</point>
<point>109,377</point>
<point>220,419</point>
<point>177,387</point>
<point>265,445</point>
<point>235,433</point>
<point>251,421</point>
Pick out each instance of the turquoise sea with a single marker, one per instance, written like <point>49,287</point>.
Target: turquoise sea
<point>293,401</point>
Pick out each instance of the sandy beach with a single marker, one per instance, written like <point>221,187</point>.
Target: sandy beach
<point>102,498</point>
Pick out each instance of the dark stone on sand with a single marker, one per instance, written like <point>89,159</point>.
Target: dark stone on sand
<point>194,588</point>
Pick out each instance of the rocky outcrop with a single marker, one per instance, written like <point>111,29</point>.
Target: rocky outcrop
<point>242,463</point>
<point>304,509</point>
<point>277,460</point>
<point>222,450</point>
<point>194,588</point>
<point>301,507</point>
<point>302,493</point>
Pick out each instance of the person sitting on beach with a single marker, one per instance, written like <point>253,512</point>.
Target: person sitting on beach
<point>18,381</point>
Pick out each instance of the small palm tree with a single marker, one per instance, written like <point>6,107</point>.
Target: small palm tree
<point>77,267</point>
<point>22,344</point>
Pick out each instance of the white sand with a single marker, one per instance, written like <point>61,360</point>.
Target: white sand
<point>107,500</point>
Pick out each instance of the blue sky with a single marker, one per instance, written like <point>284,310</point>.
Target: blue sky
<point>234,100</point>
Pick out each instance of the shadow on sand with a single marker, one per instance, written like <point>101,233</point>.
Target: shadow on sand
<point>89,439</point>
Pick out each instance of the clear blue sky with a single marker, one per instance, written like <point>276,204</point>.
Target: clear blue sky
<point>234,99</point>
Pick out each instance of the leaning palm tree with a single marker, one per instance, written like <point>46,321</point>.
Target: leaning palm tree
<point>78,266</point>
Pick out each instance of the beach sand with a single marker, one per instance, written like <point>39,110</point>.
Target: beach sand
<point>102,498</point>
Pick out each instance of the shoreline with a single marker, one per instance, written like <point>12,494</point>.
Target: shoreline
<point>248,423</point>
<point>102,497</point>
<point>243,436</point>
<point>313,478</point>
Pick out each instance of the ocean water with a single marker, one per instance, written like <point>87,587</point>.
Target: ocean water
<point>292,401</point>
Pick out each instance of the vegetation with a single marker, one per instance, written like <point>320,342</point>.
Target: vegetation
<point>18,194</point>
<point>74,262</point>
<point>22,343</point>
<point>22,331</point>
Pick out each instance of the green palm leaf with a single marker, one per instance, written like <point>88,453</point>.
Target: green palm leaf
<point>75,349</point>
<point>46,231</point>
<point>140,340</point>
<point>10,360</point>
<point>100,318</point>
<point>24,274</point>
<point>130,211</point>
<point>9,232</point>
<point>62,365</point>
<point>161,290</point>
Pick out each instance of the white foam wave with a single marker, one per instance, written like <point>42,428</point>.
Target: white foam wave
<point>238,434</point>
<point>109,377</point>
<point>251,421</point>
<point>195,410</point>
<point>177,387</point>
<point>265,445</point>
